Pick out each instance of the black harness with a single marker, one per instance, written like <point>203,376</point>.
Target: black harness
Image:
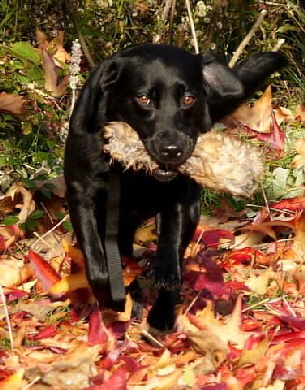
<point>113,258</point>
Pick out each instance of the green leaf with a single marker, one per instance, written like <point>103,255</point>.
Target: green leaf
<point>3,161</point>
<point>37,214</point>
<point>287,27</point>
<point>10,220</point>
<point>67,225</point>
<point>25,51</point>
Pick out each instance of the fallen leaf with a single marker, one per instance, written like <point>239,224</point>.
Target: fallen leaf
<point>252,356</point>
<point>259,284</point>
<point>13,382</point>
<point>69,283</point>
<point>14,273</point>
<point>43,270</point>
<point>228,331</point>
<point>258,116</point>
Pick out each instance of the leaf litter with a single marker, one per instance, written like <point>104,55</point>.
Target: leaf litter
<point>241,323</point>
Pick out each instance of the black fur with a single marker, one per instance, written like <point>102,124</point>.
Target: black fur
<point>168,96</point>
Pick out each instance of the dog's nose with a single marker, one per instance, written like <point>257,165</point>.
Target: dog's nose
<point>170,152</point>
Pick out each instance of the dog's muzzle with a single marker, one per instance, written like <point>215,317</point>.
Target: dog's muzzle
<point>169,150</point>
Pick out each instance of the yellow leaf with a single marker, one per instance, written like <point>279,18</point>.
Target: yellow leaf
<point>254,355</point>
<point>13,382</point>
<point>259,284</point>
<point>70,283</point>
<point>189,376</point>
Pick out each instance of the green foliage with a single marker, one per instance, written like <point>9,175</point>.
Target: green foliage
<point>5,344</point>
<point>31,140</point>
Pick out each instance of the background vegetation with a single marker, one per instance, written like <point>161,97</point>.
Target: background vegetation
<point>31,139</point>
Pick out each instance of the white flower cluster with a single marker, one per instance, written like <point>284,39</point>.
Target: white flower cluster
<point>75,65</point>
<point>104,3</point>
<point>201,9</point>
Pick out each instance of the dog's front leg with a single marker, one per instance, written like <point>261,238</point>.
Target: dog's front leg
<point>165,269</point>
<point>86,178</point>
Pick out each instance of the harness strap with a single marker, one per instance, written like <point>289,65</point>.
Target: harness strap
<point>113,257</point>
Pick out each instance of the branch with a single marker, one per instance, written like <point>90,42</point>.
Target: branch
<point>188,7</point>
<point>247,38</point>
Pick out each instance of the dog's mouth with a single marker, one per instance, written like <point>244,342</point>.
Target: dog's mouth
<point>164,173</point>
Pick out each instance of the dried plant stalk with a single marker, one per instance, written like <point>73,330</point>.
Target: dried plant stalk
<point>219,161</point>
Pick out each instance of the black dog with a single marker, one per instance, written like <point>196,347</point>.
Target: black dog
<point>168,96</point>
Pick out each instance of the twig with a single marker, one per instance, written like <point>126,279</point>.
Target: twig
<point>29,385</point>
<point>247,38</point>
<point>278,45</point>
<point>171,21</point>
<point>41,238</point>
<point>167,6</point>
<point>7,317</point>
<point>81,38</point>
<point>188,7</point>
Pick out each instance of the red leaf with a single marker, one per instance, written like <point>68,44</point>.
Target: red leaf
<point>46,332</point>
<point>98,333</point>
<point>294,204</point>
<point>276,138</point>
<point>211,238</point>
<point>44,272</point>
<point>294,321</point>
<point>117,381</point>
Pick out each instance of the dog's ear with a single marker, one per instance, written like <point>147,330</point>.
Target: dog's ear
<point>256,69</point>
<point>89,111</point>
<point>228,88</point>
<point>221,81</point>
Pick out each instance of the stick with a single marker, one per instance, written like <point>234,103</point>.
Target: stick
<point>7,317</point>
<point>247,38</point>
<point>278,45</point>
<point>188,7</point>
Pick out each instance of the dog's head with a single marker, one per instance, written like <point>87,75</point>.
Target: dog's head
<point>169,96</point>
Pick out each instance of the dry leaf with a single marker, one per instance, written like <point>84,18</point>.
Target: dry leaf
<point>259,284</point>
<point>228,331</point>
<point>14,273</point>
<point>26,204</point>
<point>12,104</point>
<point>13,382</point>
<point>258,116</point>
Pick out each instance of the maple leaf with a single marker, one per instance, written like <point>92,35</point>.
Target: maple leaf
<point>228,331</point>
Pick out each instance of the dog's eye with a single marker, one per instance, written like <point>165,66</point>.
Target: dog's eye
<point>143,99</point>
<point>188,100</point>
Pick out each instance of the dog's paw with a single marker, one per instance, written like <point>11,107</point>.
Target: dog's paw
<point>165,274</point>
<point>162,316</point>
